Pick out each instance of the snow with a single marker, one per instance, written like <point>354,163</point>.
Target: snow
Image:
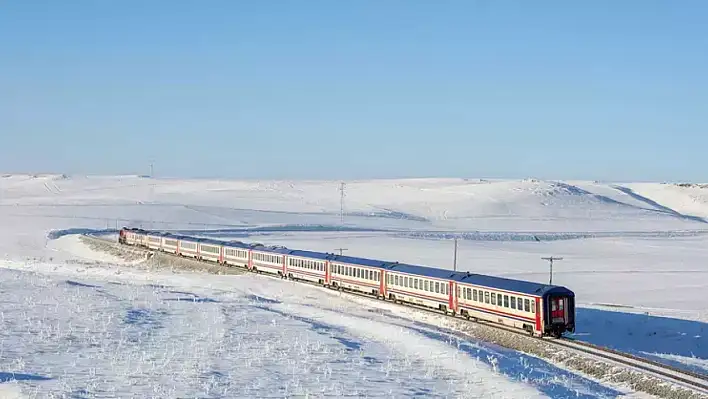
<point>101,326</point>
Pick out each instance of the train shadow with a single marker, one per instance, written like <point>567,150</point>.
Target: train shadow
<point>677,342</point>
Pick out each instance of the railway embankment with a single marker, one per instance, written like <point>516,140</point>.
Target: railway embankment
<point>155,260</point>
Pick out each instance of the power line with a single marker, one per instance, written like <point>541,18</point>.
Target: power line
<point>550,261</point>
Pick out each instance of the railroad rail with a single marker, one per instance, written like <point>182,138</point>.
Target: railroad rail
<point>684,378</point>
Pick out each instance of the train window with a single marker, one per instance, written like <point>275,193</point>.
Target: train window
<point>444,288</point>
<point>426,284</point>
<point>474,295</point>
<point>560,304</point>
<point>527,305</point>
<point>486,296</point>
<point>520,303</point>
<point>415,283</point>
<point>513,302</point>
<point>437,287</point>
<point>494,298</point>
<point>533,306</point>
<point>506,301</point>
<point>395,280</point>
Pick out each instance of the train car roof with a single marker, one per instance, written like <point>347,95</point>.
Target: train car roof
<point>521,286</point>
<point>426,271</point>
<point>209,241</point>
<point>353,260</point>
<point>272,249</point>
<point>312,254</point>
<point>235,244</point>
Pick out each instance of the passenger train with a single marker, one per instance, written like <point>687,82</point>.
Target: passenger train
<point>539,309</point>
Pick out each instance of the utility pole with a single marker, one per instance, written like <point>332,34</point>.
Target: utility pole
<point>152,192</point>
<point>340,250</point>
<point>341,202</point>
<point>454,258</point>
<point>550,261</point>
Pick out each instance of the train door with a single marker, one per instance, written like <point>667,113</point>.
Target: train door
<point>382,284</point>
<point>452,298</point>
<point>328,272</point>
<point>558,310</point>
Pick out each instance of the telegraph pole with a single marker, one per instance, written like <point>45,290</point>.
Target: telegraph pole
<point>341,202</point>
<point>454,257</point>
<point>550,261</point>
<point>152,192</point>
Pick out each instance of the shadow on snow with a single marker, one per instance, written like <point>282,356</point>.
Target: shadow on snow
<point>6,377</point>
<point>644,335</point>
<point>547,378</point>
<point>78,284</point>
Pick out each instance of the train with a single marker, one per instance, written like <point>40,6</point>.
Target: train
<point>538,309</point>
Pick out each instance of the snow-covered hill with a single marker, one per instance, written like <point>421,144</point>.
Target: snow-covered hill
<point>450,204</point>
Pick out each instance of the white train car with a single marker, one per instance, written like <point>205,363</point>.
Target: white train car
<point>406,283</point>
<point>358,274</point>
<point>268,260</point>
<point>170,243</point>
<point>153,240</point>
<point>189,247</point>
<point>236,254</point>
<point>211,250</point>
<point>309,266</point>
<point>501,306</point>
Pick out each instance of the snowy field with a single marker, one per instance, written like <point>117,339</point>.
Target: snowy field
<point>75,323</point>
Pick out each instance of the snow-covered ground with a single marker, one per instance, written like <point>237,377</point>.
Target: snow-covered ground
<point>71,326</point>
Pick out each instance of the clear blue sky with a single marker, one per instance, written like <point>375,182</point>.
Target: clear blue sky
<point>356,89</point>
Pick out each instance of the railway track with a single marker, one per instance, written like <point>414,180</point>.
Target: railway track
<point>685,378</point>
<point>694,381</point>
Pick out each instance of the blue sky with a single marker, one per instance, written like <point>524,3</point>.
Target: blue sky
<point>601,90</point>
